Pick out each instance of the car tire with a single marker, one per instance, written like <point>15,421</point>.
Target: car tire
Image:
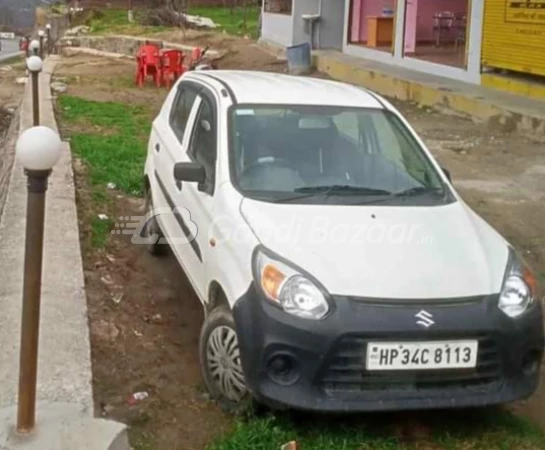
<point>152,227</point>
<point>220,362</point>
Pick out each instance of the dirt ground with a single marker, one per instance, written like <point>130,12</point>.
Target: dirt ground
<point>10,92</point>
<point>146,340</point>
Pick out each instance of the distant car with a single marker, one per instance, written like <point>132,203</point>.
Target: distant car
<point>339,268</point>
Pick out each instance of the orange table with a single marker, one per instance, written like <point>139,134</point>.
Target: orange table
<point>380,31</point>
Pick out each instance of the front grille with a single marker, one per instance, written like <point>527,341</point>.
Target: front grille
<point>345,370</point>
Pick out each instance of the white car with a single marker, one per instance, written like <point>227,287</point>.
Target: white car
<point>338,267</point>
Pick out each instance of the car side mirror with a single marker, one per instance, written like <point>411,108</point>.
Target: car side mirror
<point>447,174</point>
<point>189,171</point>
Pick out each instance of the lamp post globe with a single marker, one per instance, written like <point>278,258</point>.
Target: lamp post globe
<point>34,64</point>
<point>48,26</point>
<point>38,148</point>
<point>41,33</point>
<point>34,46</point>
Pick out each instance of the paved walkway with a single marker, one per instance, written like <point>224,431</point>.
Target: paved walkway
<point>64,371</point>
<point>10,48</point>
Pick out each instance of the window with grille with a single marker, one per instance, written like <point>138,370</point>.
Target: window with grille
<point>278,6</point>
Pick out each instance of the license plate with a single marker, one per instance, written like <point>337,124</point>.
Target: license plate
<point>422,355</point>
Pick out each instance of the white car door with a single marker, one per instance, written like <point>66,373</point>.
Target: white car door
<point>199,198</point>
<point>170,141</point>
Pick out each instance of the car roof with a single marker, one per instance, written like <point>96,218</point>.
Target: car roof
<point>273,88</point>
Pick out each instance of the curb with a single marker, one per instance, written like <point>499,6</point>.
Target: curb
<point>498,109</point>
<point>64,384</point>
<point>119,42</point>
<point>72,51</point>
<point>7,157</point>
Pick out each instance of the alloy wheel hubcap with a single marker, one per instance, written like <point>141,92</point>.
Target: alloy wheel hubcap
<point>223,357</point>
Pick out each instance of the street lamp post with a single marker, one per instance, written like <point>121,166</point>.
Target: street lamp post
<point>34,47</point>
<point>38,150</point>
<point>41,35</point>
<point>130,13</point>
<point>35,65</point>
<point>48,30</point>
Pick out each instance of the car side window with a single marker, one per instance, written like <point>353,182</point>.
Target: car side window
<point>181,109</point>
<point>203,142</point>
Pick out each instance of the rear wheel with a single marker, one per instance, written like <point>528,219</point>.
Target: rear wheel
<point>220,361</point>
<point>152,229</point>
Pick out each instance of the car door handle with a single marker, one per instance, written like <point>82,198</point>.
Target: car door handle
<point>157,148</point>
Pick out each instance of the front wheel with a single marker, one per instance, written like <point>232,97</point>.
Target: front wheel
<point>220,361</point>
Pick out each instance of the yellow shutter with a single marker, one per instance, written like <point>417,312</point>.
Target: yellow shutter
<point>514,35</point>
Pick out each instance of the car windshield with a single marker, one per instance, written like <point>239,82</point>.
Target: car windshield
<point>327,154</point>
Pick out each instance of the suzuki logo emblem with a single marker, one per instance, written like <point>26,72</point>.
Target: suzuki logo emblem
<point>424,319</point>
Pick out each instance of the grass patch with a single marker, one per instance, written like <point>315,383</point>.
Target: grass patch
<point>111,140</point>
<point>100,231</point>
<point>114,149</point>
<point>271,433</point>
<point>17,59</point>
<point>232,21</point>
<point>142,441</point>
<point>115,21</point>
<point>473,430</point>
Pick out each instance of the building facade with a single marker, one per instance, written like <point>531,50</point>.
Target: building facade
<point>457,39</point>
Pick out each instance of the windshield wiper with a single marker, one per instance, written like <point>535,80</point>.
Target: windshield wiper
<point>417,190</point>
<point>342,189</point>
<point>327,190</point>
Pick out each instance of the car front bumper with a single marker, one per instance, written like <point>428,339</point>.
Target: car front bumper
<point>320,365</point>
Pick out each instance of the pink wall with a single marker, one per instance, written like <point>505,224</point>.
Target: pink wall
<point>356,22</point>
<point>426,10</point>
<point>424,23</point>
<point>361,10</point>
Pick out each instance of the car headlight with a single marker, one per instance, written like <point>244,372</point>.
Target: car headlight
<point>519,287</point>
<point>289,288</point>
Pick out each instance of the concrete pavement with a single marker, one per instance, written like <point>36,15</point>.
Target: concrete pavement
<point>65,399</point>
<point>501,110</point>
<point>10,48</point>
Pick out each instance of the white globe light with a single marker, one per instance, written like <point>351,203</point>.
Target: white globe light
<point>41,33</point>
<point>34,64</point>
<point>38,148</point>
<point>48,26</point>
<point>34,44</point>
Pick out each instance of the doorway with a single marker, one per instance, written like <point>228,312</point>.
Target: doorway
<point>437,31</point>
<point>372,24</point>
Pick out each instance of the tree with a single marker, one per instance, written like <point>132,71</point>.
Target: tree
<point>7,17</point>
<point>166,12</point>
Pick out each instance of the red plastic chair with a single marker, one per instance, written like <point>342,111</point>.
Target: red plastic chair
<point>196,54</point>
<point>172,66</point>
<point>148,64</point>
